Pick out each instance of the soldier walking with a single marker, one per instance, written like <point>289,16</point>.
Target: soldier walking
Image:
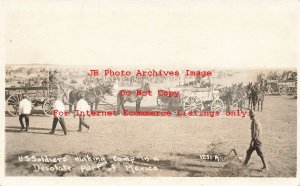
<point>59,106</point>
<point>81,108</point>
<point>24,111</point>
<point>255,143</point>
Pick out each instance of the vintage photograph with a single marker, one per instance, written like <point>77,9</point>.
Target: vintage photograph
<point>237,123</point>
<point>192,92</point>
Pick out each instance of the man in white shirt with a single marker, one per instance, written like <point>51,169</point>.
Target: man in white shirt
<point>59,107</point>
<point>82,107</point>
<point>24,111</point>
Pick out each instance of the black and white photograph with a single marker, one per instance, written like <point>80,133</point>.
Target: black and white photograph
<point>150,90</point>
<point>150,125</point>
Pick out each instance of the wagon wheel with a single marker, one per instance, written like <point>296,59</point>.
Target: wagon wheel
<point>48,106</point>
<point>12,104</point>
<point>283,91</point>
<point>162,102</point>
<point>217,106</point>
<point>193,105</point>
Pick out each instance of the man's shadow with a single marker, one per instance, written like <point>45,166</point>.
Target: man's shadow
<point>14,129</point>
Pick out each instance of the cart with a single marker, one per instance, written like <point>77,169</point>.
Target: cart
<point>194,97</point>
<point>40,96</point>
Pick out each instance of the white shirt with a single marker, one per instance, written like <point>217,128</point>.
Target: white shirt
<point>25,106</point>
<point>59,106</point>
<point>82,106</point>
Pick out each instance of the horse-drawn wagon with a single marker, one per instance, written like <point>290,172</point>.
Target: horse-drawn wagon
<point>286,84</point>
<point>193,98</point>
<point>40,96</point>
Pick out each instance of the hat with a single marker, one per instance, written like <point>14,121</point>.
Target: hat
<point>251,112</point>
<point>25,96</point>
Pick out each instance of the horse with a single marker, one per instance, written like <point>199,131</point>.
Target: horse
<point>226,96</point>
<point>260,100</point>
<point>133,97</point>
<point>248,93</point>
<point>238,95</point>
<point>92,95</point>
<point>257,96</point>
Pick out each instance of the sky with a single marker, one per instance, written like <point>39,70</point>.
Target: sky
<point>249,35</point>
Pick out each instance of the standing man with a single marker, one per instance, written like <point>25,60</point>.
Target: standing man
<point>55,77</point>
<point>24,111</point>
<point>255,143</point>
<point>81,108</point>
<point>60,107</point>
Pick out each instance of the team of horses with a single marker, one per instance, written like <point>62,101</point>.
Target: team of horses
<point>132,96</point>
<point>94,95</point>
<point>237,95</point>
<point>233,96</point>
<point>256,95</point>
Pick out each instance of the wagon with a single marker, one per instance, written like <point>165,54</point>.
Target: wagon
<point>285,85</point>
<point>193,98</point>
<point>272,87</point>
<point>282,88</point>
<point>40,96</point>
<point>287,88</point>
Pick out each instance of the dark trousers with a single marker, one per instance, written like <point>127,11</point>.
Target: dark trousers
<point>62,123</point>
<point>255,147</point>
<point>82,122</point>
<point>26,116</point>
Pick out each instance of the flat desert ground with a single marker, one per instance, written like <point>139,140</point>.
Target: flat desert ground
<point>157,146</point>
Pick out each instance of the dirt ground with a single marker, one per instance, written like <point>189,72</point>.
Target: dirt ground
<point>174,145</point>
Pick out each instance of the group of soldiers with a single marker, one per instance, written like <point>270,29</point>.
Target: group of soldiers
<point>82,106</point>
<point>25,108</point>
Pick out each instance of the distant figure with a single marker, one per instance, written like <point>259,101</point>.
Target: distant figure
<point>255,143</point>
<point>116,87</point>
<point>59,106</point>
<point>55,77</point>
<point>82,107</point>
<point>24,111</point>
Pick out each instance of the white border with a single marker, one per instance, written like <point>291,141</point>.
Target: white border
<point>116,5</point>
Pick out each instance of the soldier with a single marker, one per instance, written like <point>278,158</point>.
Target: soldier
<point>55,77</point>
<point>59,106</point>
<point>81,108</point>
<point>24,111</point>
<point>255,143</point>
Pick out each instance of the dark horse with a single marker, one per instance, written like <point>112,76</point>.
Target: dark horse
<point>133,97</point>
<point>248,92</point>
<point>256,96</point>
<point>232,96</point>
<point>92,95</point>
<point>226,96</point>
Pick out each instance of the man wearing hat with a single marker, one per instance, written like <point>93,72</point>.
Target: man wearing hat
<point>82,107</point>
<point>54,78</point>
<point>24,111</point>
<point>59,106</point>
<point>255,143</point>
